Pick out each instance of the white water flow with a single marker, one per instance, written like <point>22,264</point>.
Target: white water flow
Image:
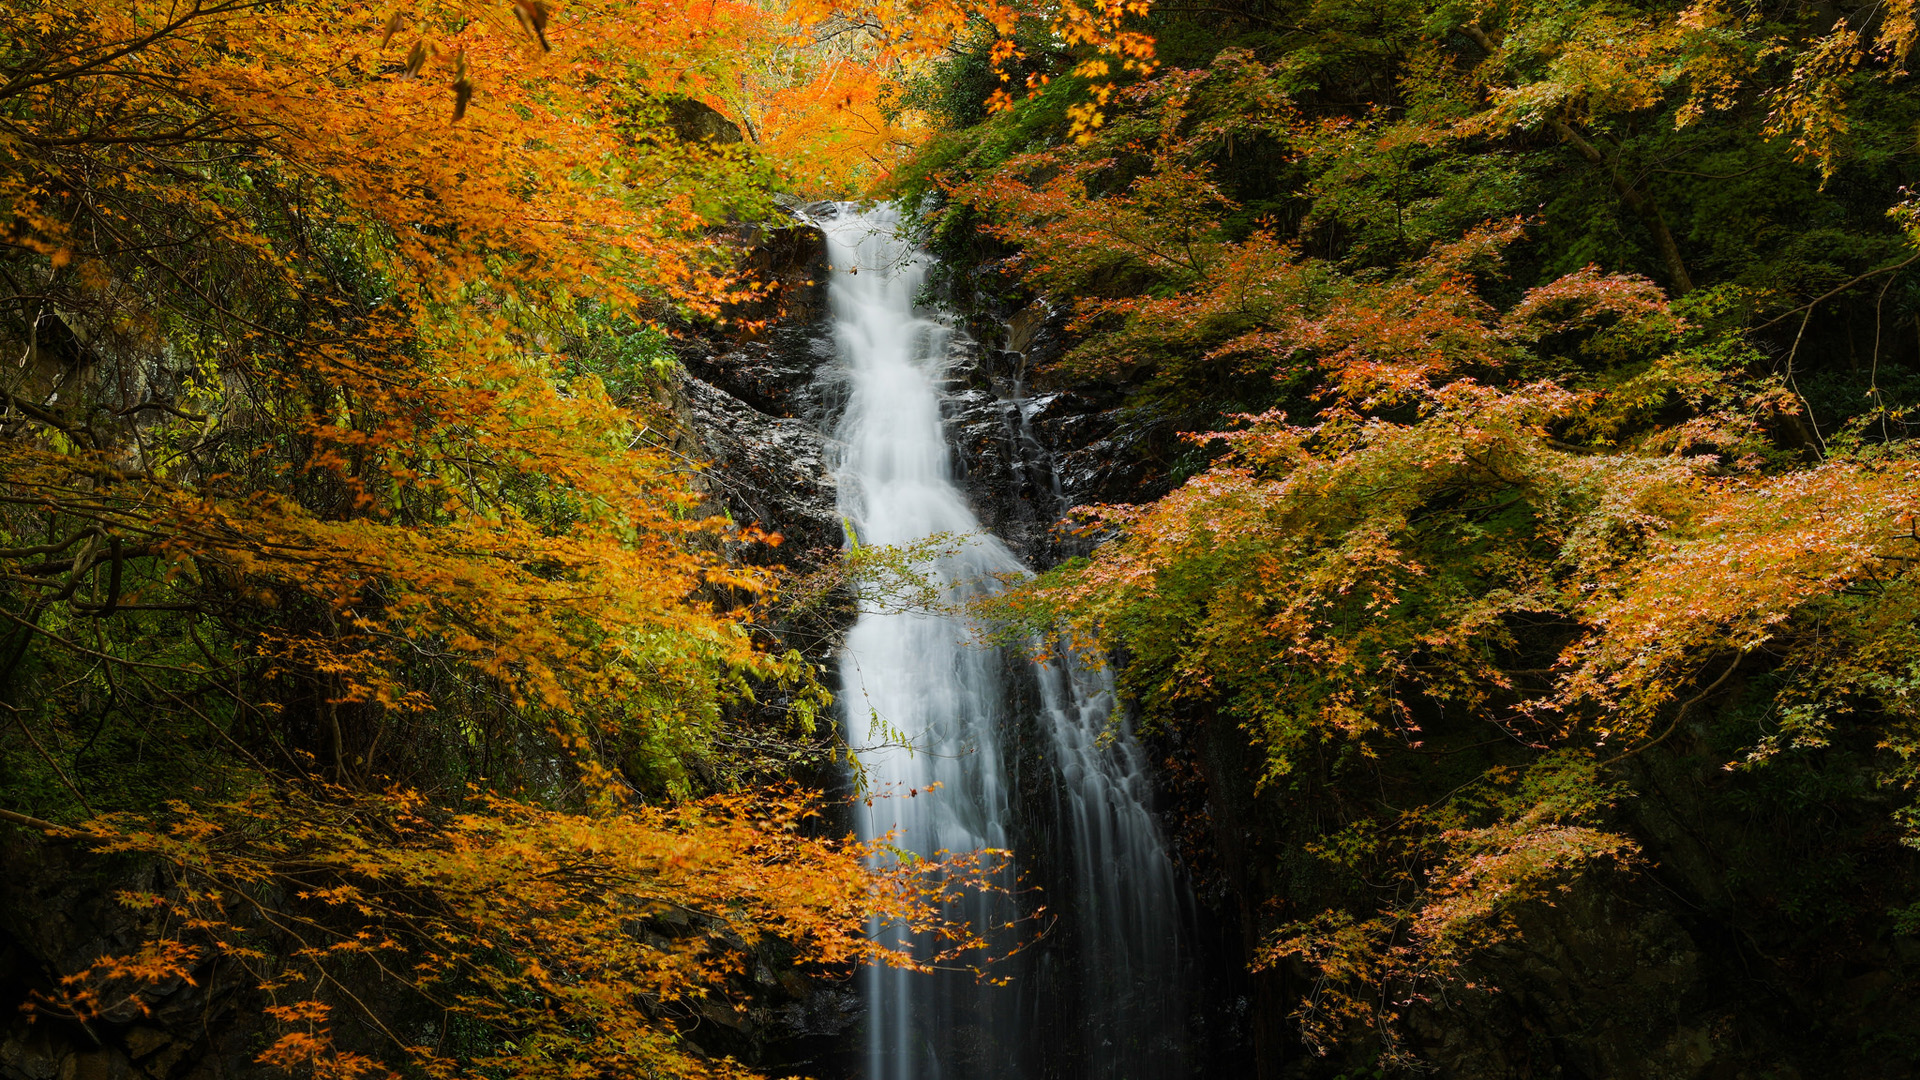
<point>1101,995</point>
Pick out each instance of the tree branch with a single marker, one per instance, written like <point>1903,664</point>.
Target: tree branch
<point>1836,291</point>
<point>1680,282</point>
<point>1682,714</point>
<point>35,823</point>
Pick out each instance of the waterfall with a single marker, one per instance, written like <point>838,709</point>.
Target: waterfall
<point>932,708</point>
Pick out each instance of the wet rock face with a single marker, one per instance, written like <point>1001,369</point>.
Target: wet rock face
<point>755,404</point>
<point>1016,451</point>
<point>1031,450</point>
<point>788,1025</point>
<point>775,375</point>
<point>1007,473</point>
<point>766,470</point>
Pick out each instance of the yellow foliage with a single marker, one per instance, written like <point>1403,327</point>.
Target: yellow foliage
<point>575,942</point>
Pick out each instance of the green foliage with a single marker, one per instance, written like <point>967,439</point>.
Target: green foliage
<point>1543,377</point>
<point>629,359</point>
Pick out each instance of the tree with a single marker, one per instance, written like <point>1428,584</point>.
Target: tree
<point>312,382</point>
<point>527,942</point>
<point>344,545</point>
<point>1459,535</point>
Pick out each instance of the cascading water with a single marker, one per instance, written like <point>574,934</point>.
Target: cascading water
<point>937,708</point>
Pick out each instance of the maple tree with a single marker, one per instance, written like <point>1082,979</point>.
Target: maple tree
<point>341,400</point>
<point>1492,468</point>
<point>557,941</point>
<point>350,572</point>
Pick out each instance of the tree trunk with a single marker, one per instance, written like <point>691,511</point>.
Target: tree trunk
<point>1679,282</point>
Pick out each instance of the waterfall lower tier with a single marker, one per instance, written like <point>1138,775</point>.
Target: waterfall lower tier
<point>1102,995</point>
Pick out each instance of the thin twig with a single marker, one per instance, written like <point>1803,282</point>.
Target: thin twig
<point>1820,444</point>
<point>1873,372</point>
<point>1831,293</point>
<point>1682,714</point>
<point>20,719</point>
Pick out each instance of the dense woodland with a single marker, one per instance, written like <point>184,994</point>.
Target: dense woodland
<point>1508,533</point>
<point>1525,391</point>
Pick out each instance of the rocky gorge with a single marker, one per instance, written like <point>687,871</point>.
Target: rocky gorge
<point>1675,972</point>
